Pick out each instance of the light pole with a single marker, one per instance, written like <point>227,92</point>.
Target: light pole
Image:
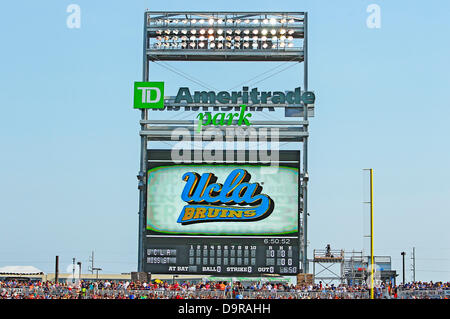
<point>96,269</point>
<point>73,270</point>
<point>79,268</point>
<point>403,262</point>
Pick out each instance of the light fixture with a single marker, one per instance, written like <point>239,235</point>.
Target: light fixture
<point>224,31</point>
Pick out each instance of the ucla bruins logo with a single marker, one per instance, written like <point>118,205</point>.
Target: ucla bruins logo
<point>235,201</point>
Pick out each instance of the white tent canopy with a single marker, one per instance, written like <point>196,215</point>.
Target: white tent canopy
<point>20,270</point>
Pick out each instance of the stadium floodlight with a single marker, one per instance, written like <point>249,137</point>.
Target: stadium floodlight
<point>270,36</point>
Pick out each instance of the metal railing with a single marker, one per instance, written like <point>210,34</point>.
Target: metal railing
<point>63,292</point>
<point>423,293</point>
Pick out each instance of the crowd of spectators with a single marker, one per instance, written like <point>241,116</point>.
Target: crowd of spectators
<point>104,289</point>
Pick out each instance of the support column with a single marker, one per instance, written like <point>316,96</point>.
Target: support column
<point>143,160</point>
<point>305,152</point>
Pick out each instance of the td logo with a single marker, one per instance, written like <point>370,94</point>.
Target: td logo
<point>148,95</point>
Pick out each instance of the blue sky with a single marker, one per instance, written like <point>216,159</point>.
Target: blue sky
<point>70,144</point>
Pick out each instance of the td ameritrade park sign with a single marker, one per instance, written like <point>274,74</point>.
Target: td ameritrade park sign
<point>150,95</point>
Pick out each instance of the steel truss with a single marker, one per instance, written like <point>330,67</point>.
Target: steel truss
<point>290,131</point>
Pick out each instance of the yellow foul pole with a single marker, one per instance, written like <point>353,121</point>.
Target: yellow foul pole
<point>371,236</point>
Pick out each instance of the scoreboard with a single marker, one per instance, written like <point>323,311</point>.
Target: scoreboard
<point>223,256</point>
<point>230,219</point>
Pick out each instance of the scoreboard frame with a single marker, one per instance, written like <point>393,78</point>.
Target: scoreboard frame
<point>222,255</point>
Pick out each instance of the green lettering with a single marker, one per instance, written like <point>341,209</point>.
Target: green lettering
<point>243,118</point>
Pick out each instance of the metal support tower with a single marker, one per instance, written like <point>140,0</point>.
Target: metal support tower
<point>154,22</point>
<point>326,261</point>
